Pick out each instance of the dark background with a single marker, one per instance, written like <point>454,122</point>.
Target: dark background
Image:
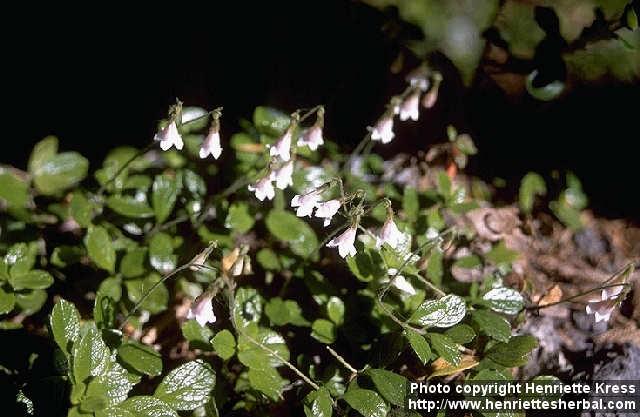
<point>104,78</point>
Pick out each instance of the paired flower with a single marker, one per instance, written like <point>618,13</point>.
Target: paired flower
<point>283,176</point>
<point>410,107</point>
<point>383,130</point>
<point>327,209</point>
<point>211,144</point>
<point>603,306</point>
<point>263,188</point>
<point>313,136</point>
<point>169,136</point>
<point>345,242</point>
<point>400,282</point>
<point>429,99</point>
<point>306,202</point>
<point>282,147</point>
<point>202,309</point>
<point>389,234</point>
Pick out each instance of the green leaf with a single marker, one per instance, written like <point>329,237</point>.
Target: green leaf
<point>324,331</point>
<point>133,263</point>
<point>7,301</point>
<point>65,325</point>
<point>392,386</point>
<point>63,256</point>
<point>504,300</point>
<point>468,262</point>
<point>492,325</point>
<point>156,301</point>
<point>31,301</point>
<point>35,279</point>
<point>444,312</point>
<point>268,259</point>
<point>81,209</point>
<point>419,345</point>
<point>161,254</point>
<point>20,258</point>
<point>500,254</point>
<point>114,386</point>
<point>445,347</point>
<point>366,402</point>
<point>224,344</point>
<point>112,288</point>
<point>248,307</point>
<point>90,356</point>
<point>188,386</point>
<point>139,406</point>
<point>335,310</point>
<point>252,355</point>
<point>367,265</point>
<point>268,381</point>
<point>54,172</point>
<point>163,196</point>
<point>239,218</point>
<point>513,353</point>
<point>130,206</point>
<point>104,311</point>
<point>14,190</point>
<point>100,248</point>
<point>44,150</point>
<point>532,185</point>
<point>292,230</point>
<point>282,312</point>
<point>410,204</point>
<point>142,358</point>
<point>270,121</point>
<point>318,403</point>
<point>461,334</point>
<point>197,335</point>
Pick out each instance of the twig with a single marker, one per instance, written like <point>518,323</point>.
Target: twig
<point>344,363</point>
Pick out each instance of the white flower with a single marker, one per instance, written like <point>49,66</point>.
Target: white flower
<point>327,209</point>
<point>389,234</point>
<point>601,307</point>
<point>410,107</point>
<point>263,188</point>
<point>383,130</point>
<point>202,310</point>
<point>345,242</point>
<point>306,203</point>
<point>312,138</point>
<point>400,282</point>
<point>282,147</point>
<point>211,144</point>
<point>283,176</point>
<point>169,136</point>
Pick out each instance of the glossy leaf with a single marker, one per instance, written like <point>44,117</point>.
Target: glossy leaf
<point>188,386</point>
<point>100,248</point>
